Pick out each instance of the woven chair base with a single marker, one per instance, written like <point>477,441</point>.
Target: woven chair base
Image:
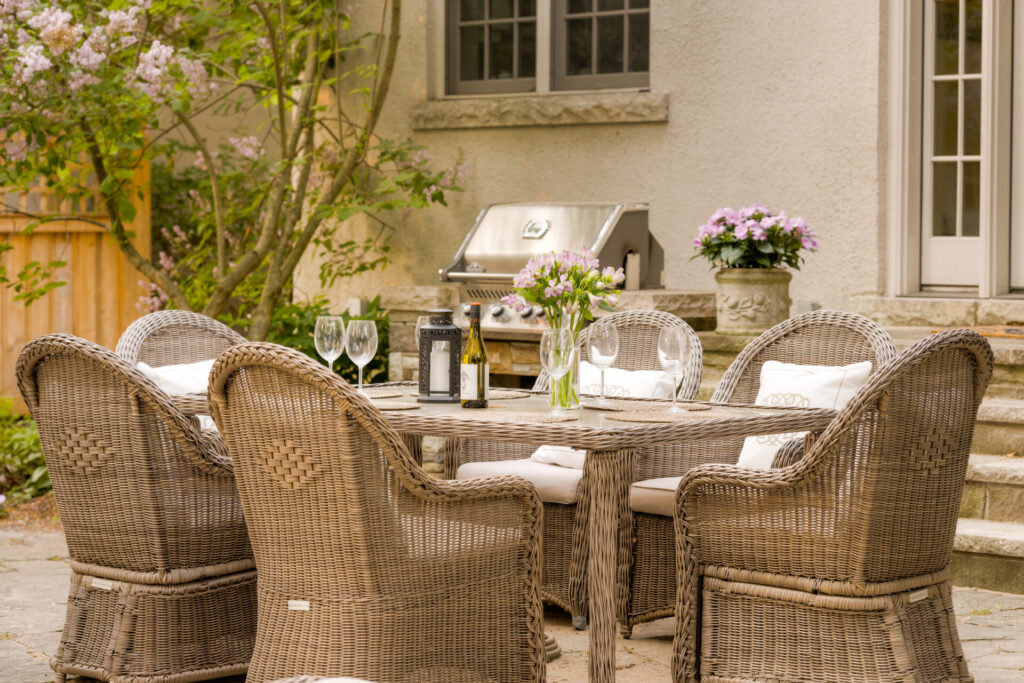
<point>134,633</point>
<point>764,633</point>
<point>652,586</point>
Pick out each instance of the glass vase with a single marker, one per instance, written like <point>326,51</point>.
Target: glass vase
<point>565,391</point>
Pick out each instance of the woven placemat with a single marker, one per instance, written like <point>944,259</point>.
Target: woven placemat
<point>653,416</point>
<point>609,407</point>
<point>377,394</point>
<point>495,394</point>
<point>501,415</point>
<point>396,405</point>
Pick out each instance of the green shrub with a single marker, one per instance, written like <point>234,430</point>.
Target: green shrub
<point>293,326</point>
<point>23,473</point>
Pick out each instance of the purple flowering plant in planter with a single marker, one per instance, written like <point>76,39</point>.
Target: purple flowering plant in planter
<point>569,287</point>
<point>754,237</point>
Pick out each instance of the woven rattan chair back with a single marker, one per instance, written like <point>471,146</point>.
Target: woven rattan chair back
<point>138,487</point>
<point>815,338</point>
<point>345,526</point>
<point>173,337</point>
<point>638,347</point>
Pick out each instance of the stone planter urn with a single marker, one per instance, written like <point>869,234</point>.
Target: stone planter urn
<point>751,300</point>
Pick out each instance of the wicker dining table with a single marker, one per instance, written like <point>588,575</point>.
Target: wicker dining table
<point>610,438</point>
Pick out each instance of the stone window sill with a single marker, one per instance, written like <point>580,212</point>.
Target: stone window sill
<point>541,110</point>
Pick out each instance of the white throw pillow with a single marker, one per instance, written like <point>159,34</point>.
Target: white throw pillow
<point>563,456</point>
<point>620,383</point>
<point>185,378</point>
<point>801,386</point>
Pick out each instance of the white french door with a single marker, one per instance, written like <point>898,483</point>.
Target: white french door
<point>952,147</point>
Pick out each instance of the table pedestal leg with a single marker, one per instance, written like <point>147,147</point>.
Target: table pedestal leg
<point>608,490</point>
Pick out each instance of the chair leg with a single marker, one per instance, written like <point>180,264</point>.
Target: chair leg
<point>625,630</point>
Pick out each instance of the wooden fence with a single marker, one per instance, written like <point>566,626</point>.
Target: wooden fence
<point>102,289</point>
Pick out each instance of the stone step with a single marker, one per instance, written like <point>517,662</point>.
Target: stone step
<point>994,489</point>
<point>1000,427</point>
<point>989,555</point>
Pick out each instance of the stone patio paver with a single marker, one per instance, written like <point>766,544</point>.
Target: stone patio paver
<point>33,591</point>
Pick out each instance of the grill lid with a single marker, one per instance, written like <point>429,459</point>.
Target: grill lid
<point>505,236</point>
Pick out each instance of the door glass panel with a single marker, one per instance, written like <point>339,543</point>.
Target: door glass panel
<point>972,199</point>
<point>527,8</point>
<point>579,44</point>
<point>972,117</point>
<point>972,37</point>
<point>501,9</point>
<point>577,6</point>
<point>945,118</point>
<point>944,199</point>
<point>634,4</point>
<point>471,53</point>
<point>610,45</point>
<point>527,49</point>
<point>609,5</point>
<point>947,36</point>
<point>639,42</point>
<point>502,50</point>
<point>471,10</point>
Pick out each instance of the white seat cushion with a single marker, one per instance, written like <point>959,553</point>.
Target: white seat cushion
<point>799,386</point>
<point>554,484</point>
<point>563,456</point>
<point>654,496</point>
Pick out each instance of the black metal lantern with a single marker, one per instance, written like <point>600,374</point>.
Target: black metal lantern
<point>440,345</point>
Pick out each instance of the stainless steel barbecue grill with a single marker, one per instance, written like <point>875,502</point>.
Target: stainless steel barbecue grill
<point>505,236</point>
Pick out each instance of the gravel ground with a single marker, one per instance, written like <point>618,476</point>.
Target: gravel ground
<point>33,590</point>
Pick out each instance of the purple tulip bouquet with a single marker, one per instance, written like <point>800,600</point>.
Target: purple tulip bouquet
<point>569,287</point>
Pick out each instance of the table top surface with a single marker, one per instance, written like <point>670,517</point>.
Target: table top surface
<point>529,419</point>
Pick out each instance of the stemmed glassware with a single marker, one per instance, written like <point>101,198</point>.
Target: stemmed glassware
<point>557,354</point>
<point>603,343</point>
<point>361,344</point>
<point>329,337</point>
<point>672,349</point>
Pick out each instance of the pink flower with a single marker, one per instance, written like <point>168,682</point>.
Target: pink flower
<point>55,29</point>
<point>198,80</point>
<point>90,54</point>
<point>31,61</point>
<point>152,71</point>
<point>248,147</point>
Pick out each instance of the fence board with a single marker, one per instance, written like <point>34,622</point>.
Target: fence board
<point>97,303</point>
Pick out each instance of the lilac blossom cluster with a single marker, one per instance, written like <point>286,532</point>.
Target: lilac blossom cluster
<point>45,40</point>
<point>566,285</point>
<point>754,237</point>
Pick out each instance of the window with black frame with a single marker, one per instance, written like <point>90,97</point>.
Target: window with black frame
<point>500,46</point>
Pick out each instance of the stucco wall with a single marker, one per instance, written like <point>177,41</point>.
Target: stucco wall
<point>777,102</point>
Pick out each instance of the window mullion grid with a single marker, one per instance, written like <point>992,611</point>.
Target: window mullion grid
<point>625,42</point>
<point>487,41</point>
<point>960,118</point>
<point>515,40</point>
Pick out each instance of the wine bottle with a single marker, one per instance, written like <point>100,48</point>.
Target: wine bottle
<point>476,373</point>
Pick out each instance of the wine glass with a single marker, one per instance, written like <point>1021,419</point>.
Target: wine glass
<point>329,336</point>
<point>361,344</point>
<point>557,353</point>
<point>603,344</point>
<point>672,348</point>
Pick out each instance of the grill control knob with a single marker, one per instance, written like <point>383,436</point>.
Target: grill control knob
<point>499,312</point>
<point>465,309</point>
<point>527,314</point>
<point>538,311</point>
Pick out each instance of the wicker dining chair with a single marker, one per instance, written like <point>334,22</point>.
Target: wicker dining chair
<point>563,579</point>
<point>816,338</point>
<point>368,566</point>
<point>175,337</point>
<point>837,567</point>
<point>163,585</point>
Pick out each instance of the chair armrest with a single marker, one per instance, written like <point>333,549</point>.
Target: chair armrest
<point>793,450</point>
<point>505,486</point>
<point>215,451</point>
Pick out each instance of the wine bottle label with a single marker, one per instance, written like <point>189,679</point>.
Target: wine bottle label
<point>469,384</point>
